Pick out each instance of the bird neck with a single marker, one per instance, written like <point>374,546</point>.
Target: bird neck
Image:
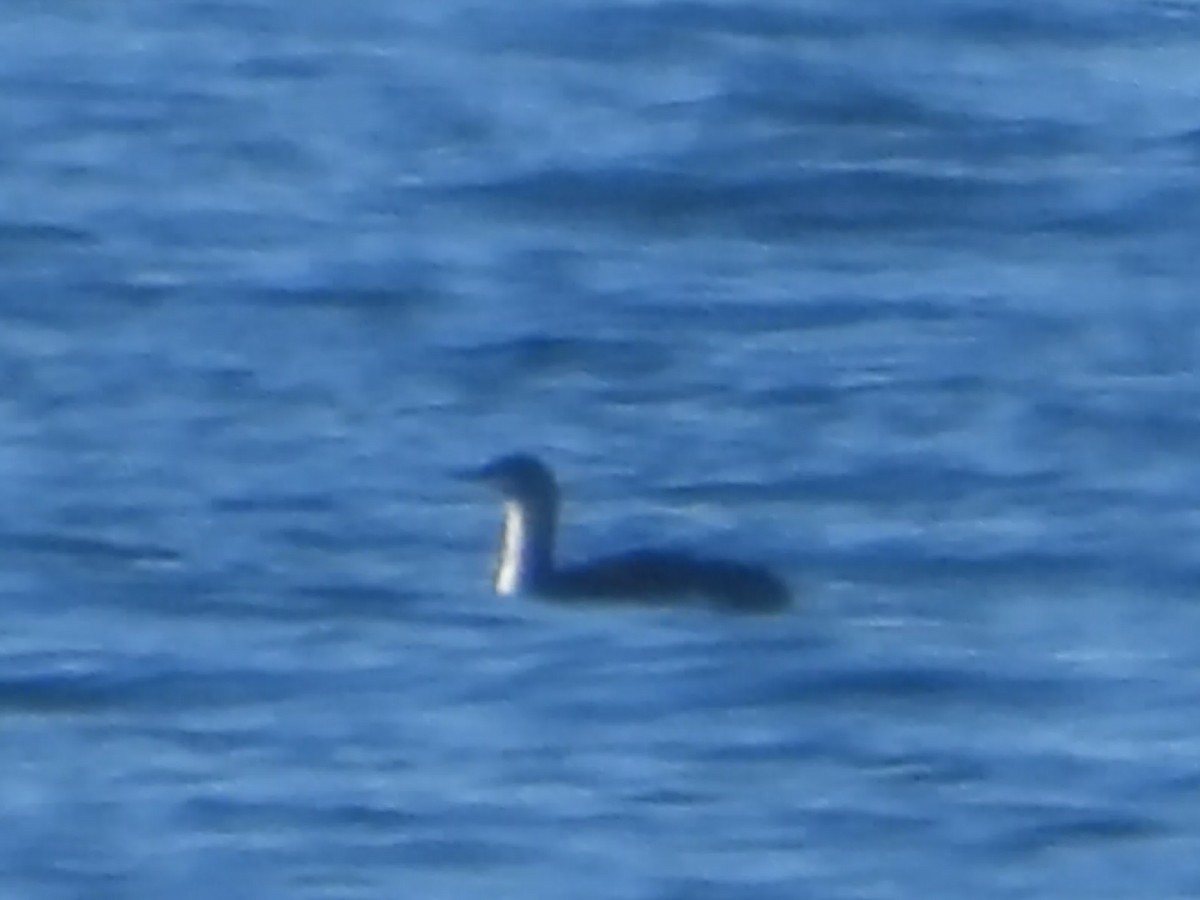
<point>526,560</point>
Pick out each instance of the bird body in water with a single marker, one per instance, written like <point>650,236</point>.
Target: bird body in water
<point>527,565</point>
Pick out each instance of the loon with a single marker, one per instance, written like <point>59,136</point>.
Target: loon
<point>526,563</point>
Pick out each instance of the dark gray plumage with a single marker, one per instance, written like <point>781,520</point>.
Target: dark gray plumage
<point>526,561</point>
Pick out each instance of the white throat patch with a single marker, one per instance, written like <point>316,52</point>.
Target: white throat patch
<point>512,551</point>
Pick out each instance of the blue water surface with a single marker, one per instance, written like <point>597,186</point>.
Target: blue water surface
<point>900,300</point>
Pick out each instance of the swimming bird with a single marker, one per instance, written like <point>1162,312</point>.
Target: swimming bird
<point>526,562</point>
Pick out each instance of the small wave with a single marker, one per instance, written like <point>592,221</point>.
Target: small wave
<point>91,549</point>
<point>664,200</point>
<point>1077,828</point>
<point>64,694</point>
<point>922,685</point>
<point>23,238</point>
